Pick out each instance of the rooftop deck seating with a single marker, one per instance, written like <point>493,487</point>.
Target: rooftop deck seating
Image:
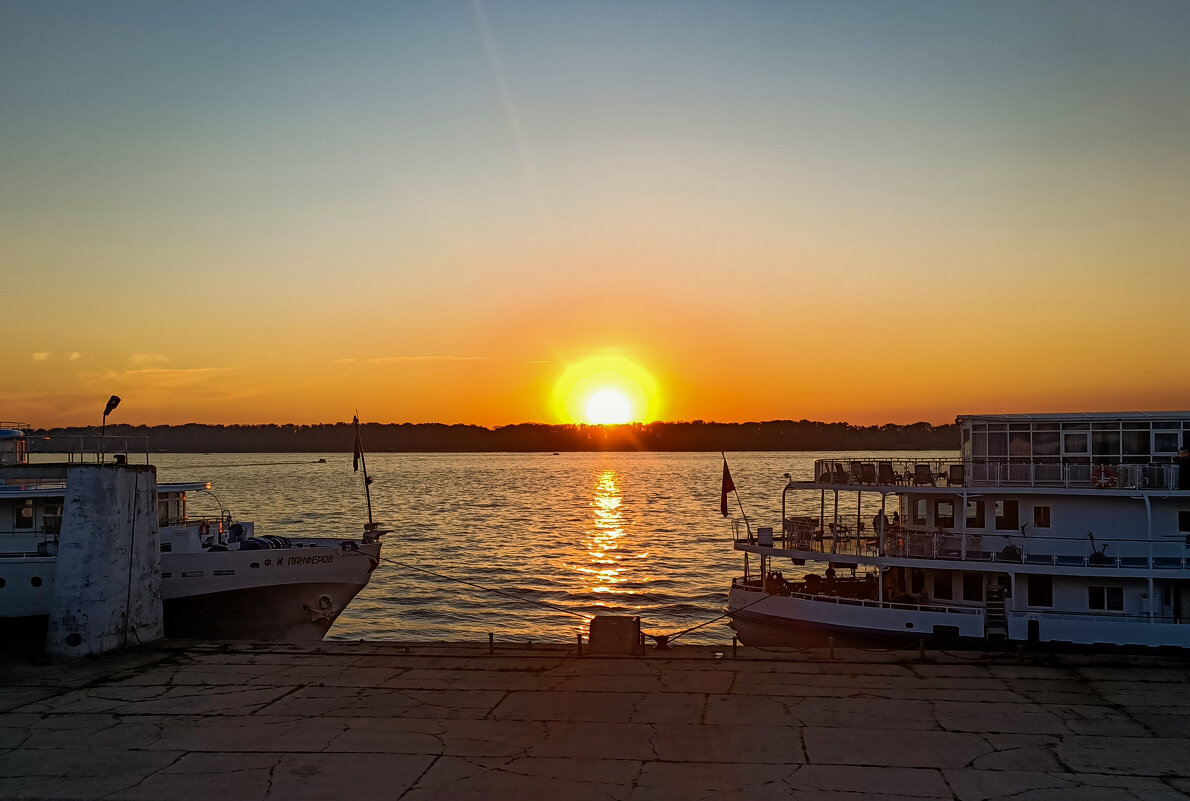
<point>868,473</point>
<point>957,476</point>
<point>886,474</point>
<point>922,476</point>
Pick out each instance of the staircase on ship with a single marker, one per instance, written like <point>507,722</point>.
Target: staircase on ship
<point>995,620</point>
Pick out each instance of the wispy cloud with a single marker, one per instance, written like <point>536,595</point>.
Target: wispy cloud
<point>443,358</point>
<point>342,361</point>
<point>149,358</point>
<point>40,357</point>
<point>74,356</point>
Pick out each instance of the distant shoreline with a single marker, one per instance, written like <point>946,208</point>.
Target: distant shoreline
<point>682,437</point>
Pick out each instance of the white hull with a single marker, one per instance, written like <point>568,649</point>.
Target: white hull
<point>762,619</point>
<point>292,594</point>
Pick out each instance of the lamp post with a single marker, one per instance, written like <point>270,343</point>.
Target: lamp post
<point>112,403</point>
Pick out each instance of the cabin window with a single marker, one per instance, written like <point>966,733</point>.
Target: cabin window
<point>919,512</point>
<point>975,514</point>
<point>1041,591</point>
<point>1007,515</point>
<point>1166,441</point>
<point>1041,516</point>
<point>24,515</point>
<point>1109,599</point>
<point>943,586</point>
<point>1018,443</point>
<point>973,586</point>
<point>917,581</point>
<point>1074,444</point>
<point>944,514</point>
<point>1184,520</point>
<point>1045,443</point>
<point>998,444</point>
<point>1135,443</point>
<point>1106,445</point>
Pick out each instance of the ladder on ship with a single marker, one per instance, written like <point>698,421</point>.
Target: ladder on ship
<point>995,620</point>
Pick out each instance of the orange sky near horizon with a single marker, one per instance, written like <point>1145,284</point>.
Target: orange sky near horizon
<point>860,212</point>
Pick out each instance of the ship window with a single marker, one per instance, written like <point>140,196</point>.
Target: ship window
<point>1109,599</point>
<point>24,515</point>
<point>917,581</point>
<point>1106,443</point>
<point>1041,591</point>
<point>1007,515</point>
<point>979,445</point>
<point>943,586</point>
<point>1041,516</point>
<point>1018,444</point>
<point>1183,520</point>
<point>944,514</point>
<point>998,444</point>
<point>1136,443</point>
<point>973,586</point>
<point>1074,443</point>
<point>1045,443</point>
<point>919,512</point>
<point>1166,441</point>
<point>975,514</point>
<point>1135,425</point>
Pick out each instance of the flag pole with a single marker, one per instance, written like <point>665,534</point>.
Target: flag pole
<point>359,455</point>
<point>737,500</point>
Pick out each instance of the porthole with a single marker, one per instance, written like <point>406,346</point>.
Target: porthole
<point>35,581</point>
<point>2,583</point>
<point>908,625</point>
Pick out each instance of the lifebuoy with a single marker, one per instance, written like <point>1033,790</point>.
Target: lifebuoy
<point>204,528</point>
<point>1103,477</point>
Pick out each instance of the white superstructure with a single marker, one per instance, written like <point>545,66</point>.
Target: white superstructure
<point>1047,528</point>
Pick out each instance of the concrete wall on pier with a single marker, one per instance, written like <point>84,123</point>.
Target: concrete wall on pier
<point>107,583</point>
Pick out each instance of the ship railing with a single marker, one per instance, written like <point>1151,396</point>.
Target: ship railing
<point>1099,614</point>
<point>743,584</point>
<point>89,449</point>
<point>1167,551</point>
<point>909,473</point>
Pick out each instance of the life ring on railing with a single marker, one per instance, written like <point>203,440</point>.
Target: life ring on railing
<point>204,528</point>
<point>1103,477</point>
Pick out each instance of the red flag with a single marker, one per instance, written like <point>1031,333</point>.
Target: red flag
<point>728,486</point>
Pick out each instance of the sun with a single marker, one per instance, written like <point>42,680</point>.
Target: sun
<point>607,406</point>
<point>606,390</point>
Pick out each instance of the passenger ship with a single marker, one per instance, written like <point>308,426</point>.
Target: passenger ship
<point>219,579</point>
<point>1058,529</point>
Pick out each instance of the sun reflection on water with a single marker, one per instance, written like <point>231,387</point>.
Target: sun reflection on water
<point>605,536</point>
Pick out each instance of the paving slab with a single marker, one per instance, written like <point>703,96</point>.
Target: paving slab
<point>455,721</point>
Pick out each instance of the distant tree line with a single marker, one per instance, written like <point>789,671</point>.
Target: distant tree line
<point>774,435</point>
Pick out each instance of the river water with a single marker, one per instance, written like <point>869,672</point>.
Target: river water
<point>587,533</point>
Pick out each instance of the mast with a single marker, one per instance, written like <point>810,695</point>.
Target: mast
<point>357,460</point>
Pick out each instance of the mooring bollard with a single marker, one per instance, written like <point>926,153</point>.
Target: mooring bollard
<point>580,643</point>
<point>491,643</point>
<point>921,650</point>
<point>734,640</point>
<point>830,644</point>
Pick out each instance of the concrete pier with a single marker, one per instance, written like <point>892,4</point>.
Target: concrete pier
<point>386,721</point>
<point>107,581</point>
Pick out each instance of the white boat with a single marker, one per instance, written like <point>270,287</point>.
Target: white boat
<point>1058,529</point>
<point>219,580</point>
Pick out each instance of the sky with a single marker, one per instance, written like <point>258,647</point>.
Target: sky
<point>242,212</point>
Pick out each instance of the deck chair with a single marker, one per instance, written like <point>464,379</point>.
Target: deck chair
<point>886,474</point>
<point>922,476</point>
<point>868,471</point>
<point>838,474</point>
<point>957,476</point>
<point>857,473</point>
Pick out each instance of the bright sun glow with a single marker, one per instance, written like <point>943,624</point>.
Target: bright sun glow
<point>606,390</point>
<point>608,406</point>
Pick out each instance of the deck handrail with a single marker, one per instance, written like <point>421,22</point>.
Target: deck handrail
<point>955,473</point>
